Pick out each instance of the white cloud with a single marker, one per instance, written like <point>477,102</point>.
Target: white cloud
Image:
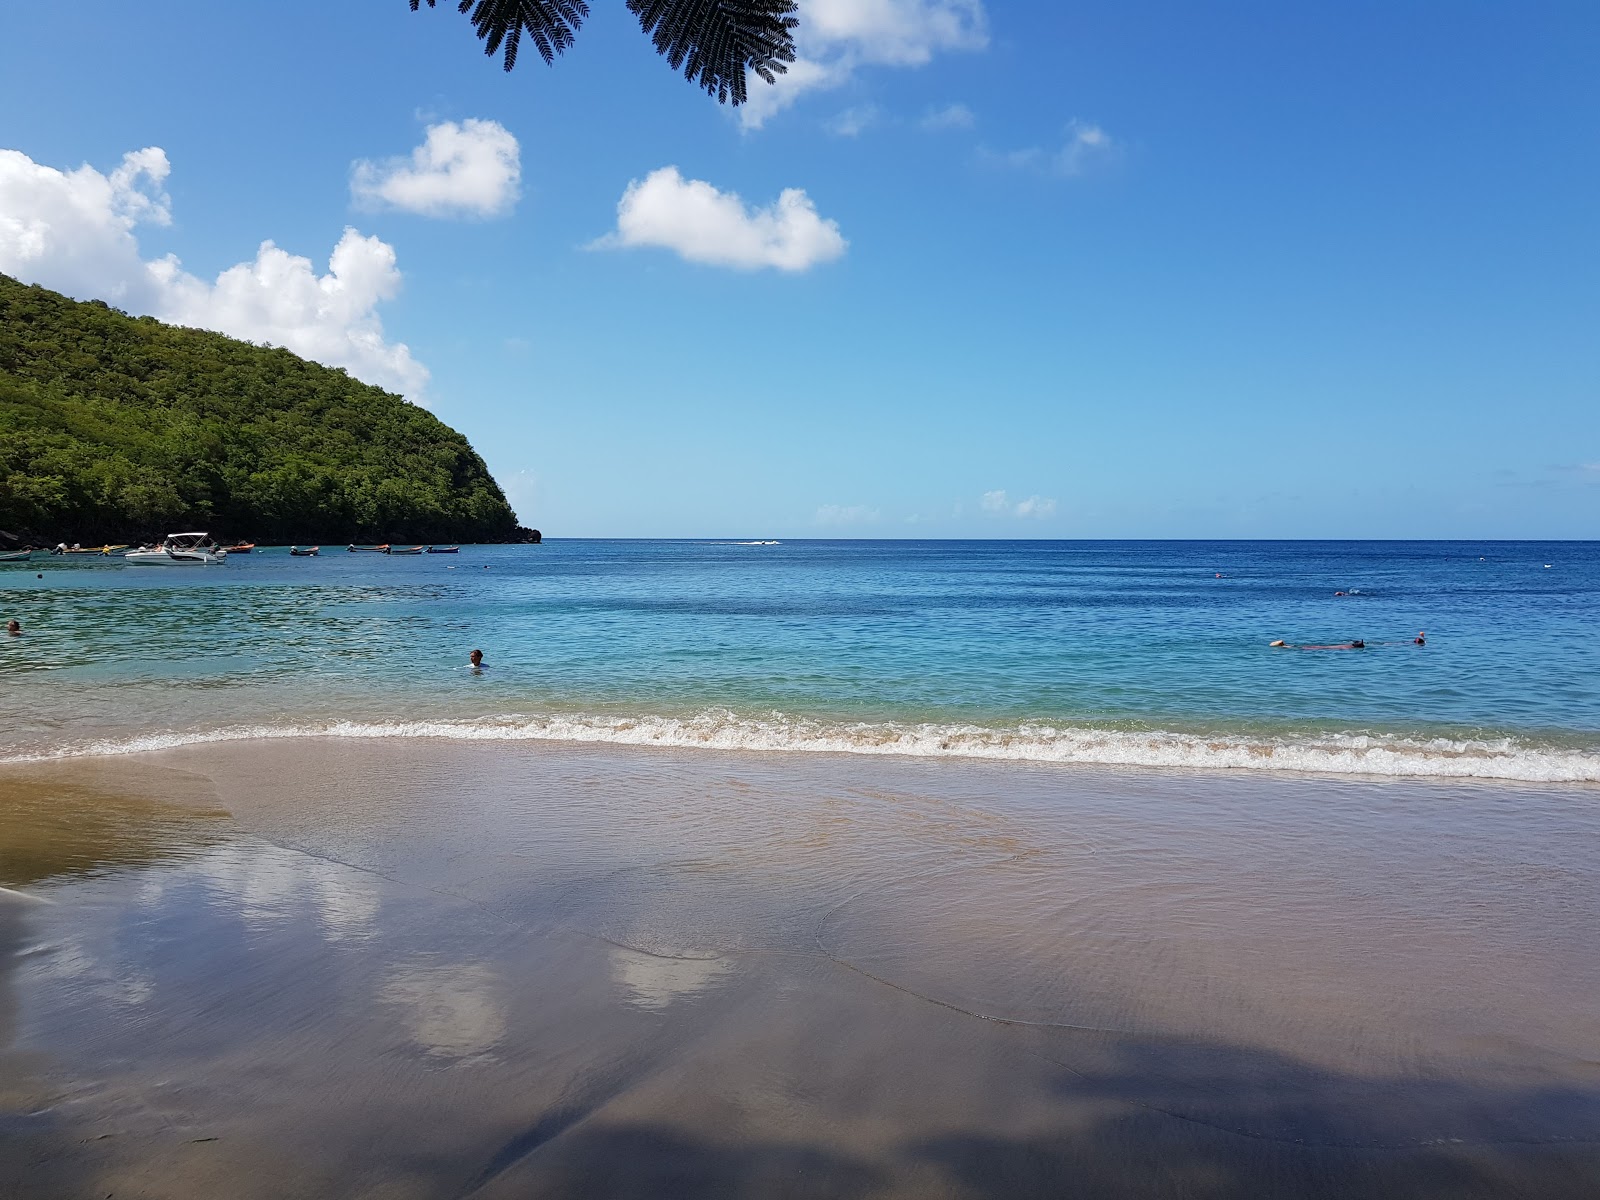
<point>280,299</point>
<point>74,231</point>
<point>835,37</point>
<point>846,514</point>
<point>852,122</point>
<point>1085,148</point>
<point>999,503</point>
<point>468,170</point>
<point>950,116</point>
<point>705,225</point>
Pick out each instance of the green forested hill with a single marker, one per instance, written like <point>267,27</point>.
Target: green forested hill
<point>115,427</point>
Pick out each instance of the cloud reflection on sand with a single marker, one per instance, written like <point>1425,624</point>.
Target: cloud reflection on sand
<point>653,983</point>
<point>272,885</point>
<point>451,1011</point>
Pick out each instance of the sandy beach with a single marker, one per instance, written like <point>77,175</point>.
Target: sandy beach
<point>418,969</point>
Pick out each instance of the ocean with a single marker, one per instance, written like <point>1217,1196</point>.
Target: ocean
<point>1151,654</point>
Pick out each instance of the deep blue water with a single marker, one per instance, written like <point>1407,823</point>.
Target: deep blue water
<point>1087,651</point>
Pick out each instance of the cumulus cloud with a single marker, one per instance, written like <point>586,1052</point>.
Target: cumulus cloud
<point>702,224</point>
<point>470,169</point>
<point>949,116</point>
<point>999,503</point>
<point>74,231</point>
<point>846,514</point>
<point>836,37</point>
<point>1085,148</point>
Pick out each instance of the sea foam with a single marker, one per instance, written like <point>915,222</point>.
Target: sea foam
<point>717,729</point>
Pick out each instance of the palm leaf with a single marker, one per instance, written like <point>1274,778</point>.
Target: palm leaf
<point>714,42</point>
<point>549,24</point>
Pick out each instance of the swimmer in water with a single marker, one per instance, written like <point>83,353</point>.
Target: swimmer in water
<point>13,628</point>
<point>1280,644</point>
<point>1420,640</point>
<point>475,661</point>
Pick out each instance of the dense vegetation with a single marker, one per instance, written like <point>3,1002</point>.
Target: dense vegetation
<point>115,428</point>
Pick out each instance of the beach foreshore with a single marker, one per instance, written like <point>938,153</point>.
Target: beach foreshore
<point>425,968</point>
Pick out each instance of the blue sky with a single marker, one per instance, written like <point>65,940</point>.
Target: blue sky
<point>1043,270</point>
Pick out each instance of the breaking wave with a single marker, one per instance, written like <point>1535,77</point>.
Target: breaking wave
<point>718,729</point>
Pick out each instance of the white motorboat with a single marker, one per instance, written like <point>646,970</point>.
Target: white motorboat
<point>180,550</point>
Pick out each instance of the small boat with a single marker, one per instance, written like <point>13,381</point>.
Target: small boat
<point>405,549</point>
<point>383,549</point>
<point>16,556</point>
<point>102,551</point>
<point>180,550</point>
<point>242,548</point>
<point>444,549</point>
<point>308,552</point>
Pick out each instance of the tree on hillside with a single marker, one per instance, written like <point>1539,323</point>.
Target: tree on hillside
<point>714,42</point>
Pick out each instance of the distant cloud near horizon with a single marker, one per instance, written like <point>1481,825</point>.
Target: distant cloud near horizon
<point>999,503</point>
<point>73,231</point>
<point>702,224</point>
<point>837,37</point>
<point>846,514</point>
<point>470,169</point>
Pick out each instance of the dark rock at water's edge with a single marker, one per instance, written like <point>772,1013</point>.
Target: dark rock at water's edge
<point>123,429</point>
<point>529,537</point>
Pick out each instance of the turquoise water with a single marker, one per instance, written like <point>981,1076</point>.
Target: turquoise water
<point>1113,652</point>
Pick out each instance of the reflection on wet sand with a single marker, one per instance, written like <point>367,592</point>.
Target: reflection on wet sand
<point>558,972</point>
<point>451,1010</point>
<point>651,981</point>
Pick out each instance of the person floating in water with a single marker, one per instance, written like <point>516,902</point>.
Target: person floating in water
<point>13,628</point>
<point>1420,640</point>
<point>475,661</point>
<point>1280,644</point>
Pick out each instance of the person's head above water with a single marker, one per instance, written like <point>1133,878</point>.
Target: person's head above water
<point>14,627</point>
<point>1420,640</point>
<point>476,658</point>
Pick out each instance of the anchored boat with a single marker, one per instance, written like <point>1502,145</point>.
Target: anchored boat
<point>307,552</point>
<point>102,551</point>
<point>405,549</point>
<point>383,549</point>
<point>180,550</point>
<point>444,549</point>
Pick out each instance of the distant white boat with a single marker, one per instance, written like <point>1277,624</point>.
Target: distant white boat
<point>180,550</point>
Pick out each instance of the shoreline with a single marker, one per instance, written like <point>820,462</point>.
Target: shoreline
<point>1309,756</point>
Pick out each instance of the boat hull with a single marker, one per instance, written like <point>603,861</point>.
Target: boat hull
<point>156,558</point>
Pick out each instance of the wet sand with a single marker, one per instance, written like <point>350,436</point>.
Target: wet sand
<point>425,969</point>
